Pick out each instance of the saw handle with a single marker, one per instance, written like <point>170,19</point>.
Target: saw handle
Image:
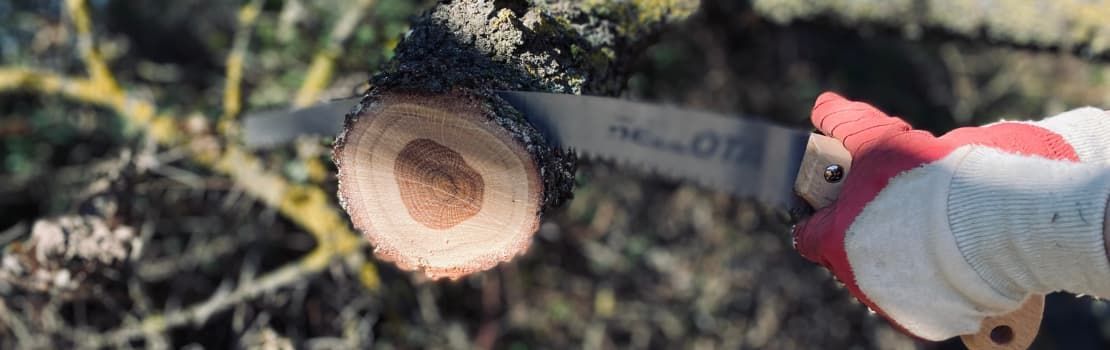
<point>824,168</point>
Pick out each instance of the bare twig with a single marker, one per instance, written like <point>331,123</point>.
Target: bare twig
<point>320,72</point>
<point>202,253</point>
<point>99,73</point>
<point>323,64</point>
<point>233,104</point>
<point>12,321</point>
<point>200,312</point>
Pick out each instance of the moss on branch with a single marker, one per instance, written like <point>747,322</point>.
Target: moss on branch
<point>1073,25</point>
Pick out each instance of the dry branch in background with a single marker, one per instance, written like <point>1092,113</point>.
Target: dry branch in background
<point>1072,25</point>
<point>306,205</point>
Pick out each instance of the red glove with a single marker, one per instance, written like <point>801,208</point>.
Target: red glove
<point>917,230</point>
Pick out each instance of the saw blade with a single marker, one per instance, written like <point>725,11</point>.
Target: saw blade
<point>746,157</point>
<point>277,127</point>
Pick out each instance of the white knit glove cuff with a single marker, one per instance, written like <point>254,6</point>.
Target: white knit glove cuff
<point>1032,225</point>
<point>1086,129</point>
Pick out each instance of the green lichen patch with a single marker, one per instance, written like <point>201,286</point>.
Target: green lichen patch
<point>1074,25</point>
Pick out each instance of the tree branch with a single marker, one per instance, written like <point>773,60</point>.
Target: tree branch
<point>248,15</point>
<point>323,63</point>
<point>306,205</point>
<point>1072,25</point>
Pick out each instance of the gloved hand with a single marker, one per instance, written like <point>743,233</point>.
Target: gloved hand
<point>937,233</point>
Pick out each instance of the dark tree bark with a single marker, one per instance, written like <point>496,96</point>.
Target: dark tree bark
<point>440,174</point>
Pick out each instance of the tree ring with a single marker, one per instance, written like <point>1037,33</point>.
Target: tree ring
<point>437,186</point>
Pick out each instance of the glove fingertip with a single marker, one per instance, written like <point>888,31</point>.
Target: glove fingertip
<point>825,104</point>
<point>827,96</point>
<point>839,117</point>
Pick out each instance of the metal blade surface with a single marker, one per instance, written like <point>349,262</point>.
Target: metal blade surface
<point>745,157</point>
<point>276,127</point>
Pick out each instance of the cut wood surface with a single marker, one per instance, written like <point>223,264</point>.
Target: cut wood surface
<point>442,176</point>
<point>1013,331</point>
<point>434,186</point>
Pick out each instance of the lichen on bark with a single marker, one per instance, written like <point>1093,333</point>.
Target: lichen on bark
<point>1072,25</point>
<point>480,46</point>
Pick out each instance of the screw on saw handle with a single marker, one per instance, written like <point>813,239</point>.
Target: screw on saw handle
<point>824,166</point>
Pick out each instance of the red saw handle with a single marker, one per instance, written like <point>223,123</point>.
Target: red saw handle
<point>826,163</point>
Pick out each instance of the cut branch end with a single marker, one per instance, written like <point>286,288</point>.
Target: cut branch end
<point>437,186</point>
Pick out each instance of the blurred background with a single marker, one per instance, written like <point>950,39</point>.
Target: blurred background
<point>164,249</point>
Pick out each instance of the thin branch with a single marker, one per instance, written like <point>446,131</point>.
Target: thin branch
<point>18,328</point>
<point>200,312</point>
<point>1077,26</point>
<point>320,72</point>
<point>99,74</point>
<point>323,63</point>
<point>136,112</point>
<point>201,253</point>
<point>233,104</point>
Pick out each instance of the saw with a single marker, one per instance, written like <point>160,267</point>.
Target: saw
<point>414,152</point>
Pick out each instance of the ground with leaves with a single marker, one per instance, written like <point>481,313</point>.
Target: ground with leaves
<point>117,133</point>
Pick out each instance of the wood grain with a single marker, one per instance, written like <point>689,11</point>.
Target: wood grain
<point>1015,330</point>
<point>439,189</point>
<point>435,186</point>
